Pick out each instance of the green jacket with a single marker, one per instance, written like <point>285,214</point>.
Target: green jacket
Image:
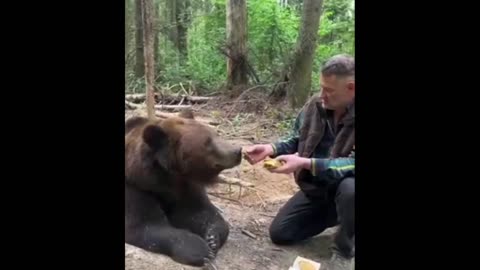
<point>330,148</point>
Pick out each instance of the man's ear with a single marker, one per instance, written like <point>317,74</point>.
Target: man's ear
<point>187,113</point>
<point>351,86</point>
<point>155,137</point>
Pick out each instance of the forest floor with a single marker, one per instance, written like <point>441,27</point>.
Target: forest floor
<point>247,210</point>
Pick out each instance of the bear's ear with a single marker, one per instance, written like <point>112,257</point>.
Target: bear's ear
<point>133,122</point>
<point>155,137</point>
<point>186,113</point>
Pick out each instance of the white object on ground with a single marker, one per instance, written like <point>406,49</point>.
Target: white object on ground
<point>302,263</point>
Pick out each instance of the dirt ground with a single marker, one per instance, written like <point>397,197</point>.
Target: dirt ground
<point>241,252</point>
<point>246,209</point>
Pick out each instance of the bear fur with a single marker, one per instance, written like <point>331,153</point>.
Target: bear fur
<point>168,164</point>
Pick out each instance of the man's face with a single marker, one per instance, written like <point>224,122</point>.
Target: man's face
<point>336,92</point>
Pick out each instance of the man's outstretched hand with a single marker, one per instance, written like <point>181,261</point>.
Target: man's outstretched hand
<point>258,152</point>
<point>292,163</point>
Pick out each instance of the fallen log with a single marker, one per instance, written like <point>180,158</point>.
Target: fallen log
<point>172,107</point>
<point>163,115</point>
<point>204,120</point>
<point>193,99</point>
<point>131,105</point>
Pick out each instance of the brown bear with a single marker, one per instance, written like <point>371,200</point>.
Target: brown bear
<point>168,164</point>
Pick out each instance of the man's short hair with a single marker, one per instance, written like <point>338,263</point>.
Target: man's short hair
<point>339,65</point>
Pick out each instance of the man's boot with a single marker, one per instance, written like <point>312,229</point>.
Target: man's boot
<point>339,262</point>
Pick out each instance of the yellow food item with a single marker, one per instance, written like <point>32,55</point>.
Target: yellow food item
<point>272,164</point>
<point>304,265</point>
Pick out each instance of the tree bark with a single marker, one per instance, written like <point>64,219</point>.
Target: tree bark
<point>298,72</point>
<point>179,17</point>
<point>139,55</point>
<point>148,40</point>
<point>156,29</point>
<point>183,21</point>
<point>172,18</point>
<point>127,29</point>
<point>236,43</point>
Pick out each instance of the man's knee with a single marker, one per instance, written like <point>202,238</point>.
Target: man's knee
<point>346,190</point>
<point>279,235</point>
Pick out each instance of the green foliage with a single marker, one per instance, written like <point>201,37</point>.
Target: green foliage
<point>272,34</point>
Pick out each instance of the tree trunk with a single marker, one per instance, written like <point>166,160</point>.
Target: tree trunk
<point>139,55</point>
<point>297,75</point>
<point>172,18</point>
<point>148,40</point>
<point>183,21</point>
<point>128,37</point>
<point>236,43</point>
<point>156,44</point>
<point>127,29</point>
<point>179,18</point>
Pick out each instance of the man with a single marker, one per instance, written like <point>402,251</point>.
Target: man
<point>321,155</point>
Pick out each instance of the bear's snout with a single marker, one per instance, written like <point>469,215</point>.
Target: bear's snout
<point>238,154</point>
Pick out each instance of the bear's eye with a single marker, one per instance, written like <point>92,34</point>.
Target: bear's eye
<point>208,142</point>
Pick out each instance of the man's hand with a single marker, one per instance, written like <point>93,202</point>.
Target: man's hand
<point>258,152</point>
<point>292,163</point>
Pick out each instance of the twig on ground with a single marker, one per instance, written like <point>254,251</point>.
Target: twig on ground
<point>249,234</point>
<point>261,199</point>
<point>228,199</point>
<point>221,193</point>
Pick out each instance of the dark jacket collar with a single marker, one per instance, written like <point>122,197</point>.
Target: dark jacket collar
<point>349,112</point>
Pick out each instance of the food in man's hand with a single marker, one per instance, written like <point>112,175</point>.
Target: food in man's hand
<point>272,164</point>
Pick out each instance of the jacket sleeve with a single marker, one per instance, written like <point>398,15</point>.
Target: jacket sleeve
<point>289,145</point>
<point>334,169</point>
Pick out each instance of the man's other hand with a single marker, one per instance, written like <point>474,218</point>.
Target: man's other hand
<point>292,163</point>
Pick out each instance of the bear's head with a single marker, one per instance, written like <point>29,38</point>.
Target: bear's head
<point>188,148</point>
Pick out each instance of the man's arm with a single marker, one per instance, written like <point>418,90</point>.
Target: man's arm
<point>333,169</point>
<point>290,145</point>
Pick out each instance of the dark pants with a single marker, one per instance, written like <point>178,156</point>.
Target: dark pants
<point>303,217</point>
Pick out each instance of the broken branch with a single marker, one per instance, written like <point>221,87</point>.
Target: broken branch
<point>234,181</point>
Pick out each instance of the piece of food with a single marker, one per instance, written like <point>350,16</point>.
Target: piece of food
<point>304,265</point>
<point>272,164</point>
<point>301,263</point>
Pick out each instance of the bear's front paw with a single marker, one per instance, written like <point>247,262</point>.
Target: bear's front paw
<point>193,251</point>
<point>212,242</point>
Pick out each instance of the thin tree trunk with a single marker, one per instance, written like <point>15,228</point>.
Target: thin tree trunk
<point>128,37</point>
<point>127,28</point>
<point>236,43</point>
<point>148,40</point>
<point>172,18</point>
<point>156,45</point>
<point>183,20</point>
<point>179,18</point>
<point>139,55</point>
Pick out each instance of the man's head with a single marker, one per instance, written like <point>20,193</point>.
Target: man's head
<point>337,81</point>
